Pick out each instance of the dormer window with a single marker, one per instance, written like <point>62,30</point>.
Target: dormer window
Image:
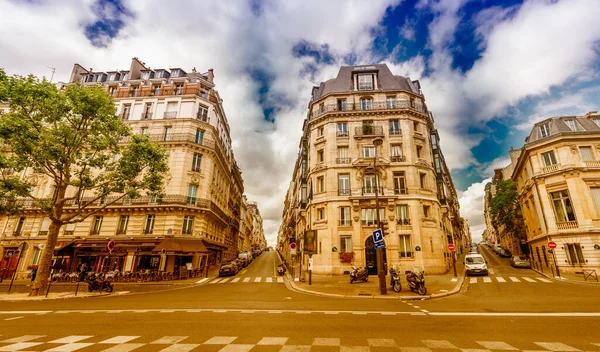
<point>544,130</point>
<point>114,76</point>
<point>147,75</point>
<point>175,73</point>
<point>573,125</point>
<point>365,82</point>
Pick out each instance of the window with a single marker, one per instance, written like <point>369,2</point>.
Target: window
<point>426,211</point>
<point>322,107</point>
<point>597,122</point>
<point>202,114</point>
<point>112,91</point>
<point>394,127</point>
<point>145,131</point>
<point>168,133</point>
<point>405,246</point>
<point>45,226</point>
<point>344,185</point>
<point>574,253</point>
<point>147,75</point>
<point>199,137</point>
<point>391,102</point>
<point>402,214</point>
<point>366,104</point>
<point>178,89</point>
<point>586,153</point>
<point>345,243</point>
<point>133,91</point>
<point>438,164</point>
<point>343,155</point>
<point>320,131</point>
<point>69,230</point>
<point>188,225</point>
<point>113,76</point>
<point>596,197</point>
<point>341,105</point>
<point>369,216</point>
<point>422,180</point>
<point>370,183</point>
<point>147,114</point>
<point>149,226</point>
<point>368,151</point>
<point>196,162</point>
<point>204,93</point>
<point>365,82</point>
<point>573,125</point>
<point>123,222</point>
<point>126,111</point>
<point>549,158</point>
<point>97,225</point>
<point>320,213</point>
<point>400,183</point>
<point>419,151</point>
<point>320,184</point>
<point>155,89</point>
<point>345,216</point>
<point>37,253</point>
<point>396,152</point>
<point>416,127</point>
<point>192,192</point>
<point>563,209</point>
<point>544,130</point>
<point>320,156</point>
<point>342,129</point>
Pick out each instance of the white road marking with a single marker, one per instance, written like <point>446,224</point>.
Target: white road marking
<point>438,344</point>
<point>120,339</point>
<point>417,307</point>
<point>500,279</point>
<point>487,279</point>
<point>236,279</point>
<point>280,279</point>
<point>295,348</point>
<point>497,345</point>
<point>246,279</point>
<point>528,279</point>
<point>181,347</point>
<point>168,340</point>
<point>71,339</point>
<point>14,318</point>
<point>124,347</point>
<point>278,341</point>
<point>269,279</point>
<point>70,347</point>
<point>258,279</point>
<point>25,312</point>
<point>474,350</point>
<point>220,340</point>
<point>355,349</point>
<point>359,313</point>
<point>473,280</point>
<point>324,341</point>
<point>122,292</point>
<point>491,271</point>
<point>544,280</point>
<point>236,348</point>
<point>557,346</point>
<point>201,281</point>
<point>275,312</point>
<point>514,279</point>
<point>454,279</point>
<point>214,281</point>
<point>244,271</point>
<point>224,280</point>
<point>415,349</point>
<point>331,313</point>
<point>19,346</point>
<point>382,343</point>
<point>465,314</point>
<point>424,311</point>
<point>166,310</point>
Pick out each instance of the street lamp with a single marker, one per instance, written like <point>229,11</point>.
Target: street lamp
<point>379,251</point>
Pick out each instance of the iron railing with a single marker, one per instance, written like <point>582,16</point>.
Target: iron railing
<point>398,158</point>
<point>371,190</point>
<point>400,191</point>
<point>343,160</point>
<point>342,133</point>
<point>343,192</point>
<point>153,91</point>
<point>344,222</point>
<point>376,105</point>
<point>402,221</point>
<point>368,130</point>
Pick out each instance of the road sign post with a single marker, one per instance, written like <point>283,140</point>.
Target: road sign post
<point>552,245</point>
<point>452,248</point>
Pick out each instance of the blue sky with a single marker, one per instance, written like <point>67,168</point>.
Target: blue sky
<point>488,69</point>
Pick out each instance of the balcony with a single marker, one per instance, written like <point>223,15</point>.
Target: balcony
<point>147,231</point>
<point>344,222</point>
<point>400,105</point>
<point>17,233</point>
<point>567,225</point>
<point>343,192</point>
<point>170,114</point>
<point>43,233</point>
<point>153,91</point>
<point>94,232</point>
<point>395,131</point>
<point>403,222</point>
<point>550,168</point>
<point>368,131</point>
<point>400,191</point>
<point>398,158</point>
<point>592,163</point>
<point>342,134</point>
<point>370,191</point>
<point>69,233</point>
<point>343,160</point>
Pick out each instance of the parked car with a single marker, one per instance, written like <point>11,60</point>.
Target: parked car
<point>504,253</point>
<point>520,261</point>
<point>475,264</point>
<point>497,248</point>
<point>245,257</point>
<point>228,269</point>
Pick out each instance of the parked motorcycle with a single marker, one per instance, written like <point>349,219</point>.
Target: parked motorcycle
<point>416,282</point>
<point>281,270</point>
<point>395,280</point>
<point>96,283</point>
<point>359,274</point>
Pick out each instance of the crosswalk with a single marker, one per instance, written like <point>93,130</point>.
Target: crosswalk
<point>124,343</point>
<point>233,280</point>
<point>511,279</point>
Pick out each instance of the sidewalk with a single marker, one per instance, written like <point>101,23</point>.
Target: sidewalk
<point>339,285</point>
<point>570,278</point>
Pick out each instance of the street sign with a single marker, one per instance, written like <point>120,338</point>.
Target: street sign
<point>551,245</point>
<point>379,245</point>
<point>310,264</point>
<point>292,252</point>
<point>451,247</point>
<point>111,245</point>
<point>378,236</point>
<point>163,251</point>
<point>10,253</point>
<point>293,245</point>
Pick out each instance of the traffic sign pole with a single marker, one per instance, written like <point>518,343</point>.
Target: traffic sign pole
<point>552,245</point>
<point>452,249</point>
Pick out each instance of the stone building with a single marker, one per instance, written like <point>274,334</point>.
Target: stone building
<point>369,145</point>
<point>558,180</point>
<point>199,220</point>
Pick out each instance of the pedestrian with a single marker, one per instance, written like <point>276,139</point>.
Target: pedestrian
<point>33,274</point>
<point>82,272</point>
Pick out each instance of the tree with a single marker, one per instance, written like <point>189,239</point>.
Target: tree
<point>74,139</point>
<point>505,208</point>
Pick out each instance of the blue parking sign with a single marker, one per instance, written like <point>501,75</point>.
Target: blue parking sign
<point>378,236</point>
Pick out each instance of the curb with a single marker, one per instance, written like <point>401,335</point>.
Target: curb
<point>567,281</point>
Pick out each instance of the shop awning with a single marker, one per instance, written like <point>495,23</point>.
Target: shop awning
<point>63,248</point>
<point>213,244</point>
<point>180,245</point>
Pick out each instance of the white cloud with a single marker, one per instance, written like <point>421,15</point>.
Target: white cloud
<point>471,207</point>
<point>500,162</point>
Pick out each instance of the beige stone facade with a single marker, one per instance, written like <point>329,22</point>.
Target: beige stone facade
<point>558,179</point>
<point>203,189</point>
<point>341,175</point>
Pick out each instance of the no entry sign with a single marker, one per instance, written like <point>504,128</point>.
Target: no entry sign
<point>111,245</point>
<point>551,245</point>
<point>451,247</point>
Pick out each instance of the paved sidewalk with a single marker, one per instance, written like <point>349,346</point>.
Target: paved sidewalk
<point>339,285</point>
<point>571,278</point>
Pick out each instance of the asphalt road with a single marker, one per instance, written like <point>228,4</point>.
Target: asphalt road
<point>267,316</point>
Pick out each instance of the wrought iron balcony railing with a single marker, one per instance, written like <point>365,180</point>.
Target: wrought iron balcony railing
<point>343,192</point>
<point>398,158</point>
<point>343,160</point>
<point>376,105</point>
<point>403,221</point>
<point>400,191</point>
<point>342,133</point>
<point>344,222</point>
<point>371,191</point>
<point>368,130</point>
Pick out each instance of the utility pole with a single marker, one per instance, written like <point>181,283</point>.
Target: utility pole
<point>53,70</point>
<point>380,265</point>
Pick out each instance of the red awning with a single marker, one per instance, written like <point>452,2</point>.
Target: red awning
<point>180,245</point>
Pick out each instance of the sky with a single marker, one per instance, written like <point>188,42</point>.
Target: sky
<point>488,69</point>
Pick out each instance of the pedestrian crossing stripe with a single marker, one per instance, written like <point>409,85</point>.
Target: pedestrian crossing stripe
<point>259,279</point>
<point>488,279</point>
<point>227,343</point>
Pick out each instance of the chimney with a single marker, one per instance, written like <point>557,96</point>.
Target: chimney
<point>211,75</point>
<point>590,113</point>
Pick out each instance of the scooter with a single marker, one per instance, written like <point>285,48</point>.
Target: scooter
<point>280,270</point>
<point>416,282</point>
<point>96,283</point>
<point>395,280</point>
<point>359,274</point>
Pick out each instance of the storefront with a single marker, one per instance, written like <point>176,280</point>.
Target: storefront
<point>179,256</point>
<point>215,252</point>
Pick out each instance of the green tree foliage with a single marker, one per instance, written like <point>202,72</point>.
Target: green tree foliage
<point>504,207</point>
<point>74,139</point>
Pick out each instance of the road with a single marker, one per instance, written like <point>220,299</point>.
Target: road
<point>266,315</point>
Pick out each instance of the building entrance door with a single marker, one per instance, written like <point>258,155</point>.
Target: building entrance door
<point>371,256</point>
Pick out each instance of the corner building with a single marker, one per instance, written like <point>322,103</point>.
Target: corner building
<point>369,142</point>
<point>200,220</point>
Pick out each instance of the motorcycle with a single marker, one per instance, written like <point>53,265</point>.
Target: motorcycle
<point>416,282</point>
<point>359,274</point>
<point>280,270</point>
<point>97,283</point>
<point>395,280</point>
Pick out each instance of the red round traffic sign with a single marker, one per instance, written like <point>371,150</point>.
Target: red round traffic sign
<point>111,245</point>
<point>293,245</point>
<point>451,247</point>
<point>551,245</point>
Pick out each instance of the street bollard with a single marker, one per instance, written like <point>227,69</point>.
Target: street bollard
<point>48,288</point>
<point>77,287</point>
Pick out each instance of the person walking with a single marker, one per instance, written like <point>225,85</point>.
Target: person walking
<point>83,272</point>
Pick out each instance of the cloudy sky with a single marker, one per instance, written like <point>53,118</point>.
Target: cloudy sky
<point>489,69</point>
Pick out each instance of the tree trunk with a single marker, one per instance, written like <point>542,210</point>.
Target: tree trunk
<point>41,280</point>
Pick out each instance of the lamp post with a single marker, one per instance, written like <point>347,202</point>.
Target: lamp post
<point>379,254</point>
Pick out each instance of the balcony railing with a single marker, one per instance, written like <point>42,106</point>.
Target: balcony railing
<point>343,192</point>
<point>17,233</point>
<point>94,232</point>
<point>400,105</point>
<point>43,233</point>
<point>371,191</point>
<point>69,233</point>
<point>395,131</point>
<point>342,134</point>
<point>170,114</point>
<point>403,221</point>
<point>400,191</point>
<point>147,115</point>
<point>567,225</point>
<point>592,163</point>
<point>344,222</point>
<point>368,130</point>
<point>343,160</point>
<point>150,91</point>
<point>550,168</point>
<point>398,158</point>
